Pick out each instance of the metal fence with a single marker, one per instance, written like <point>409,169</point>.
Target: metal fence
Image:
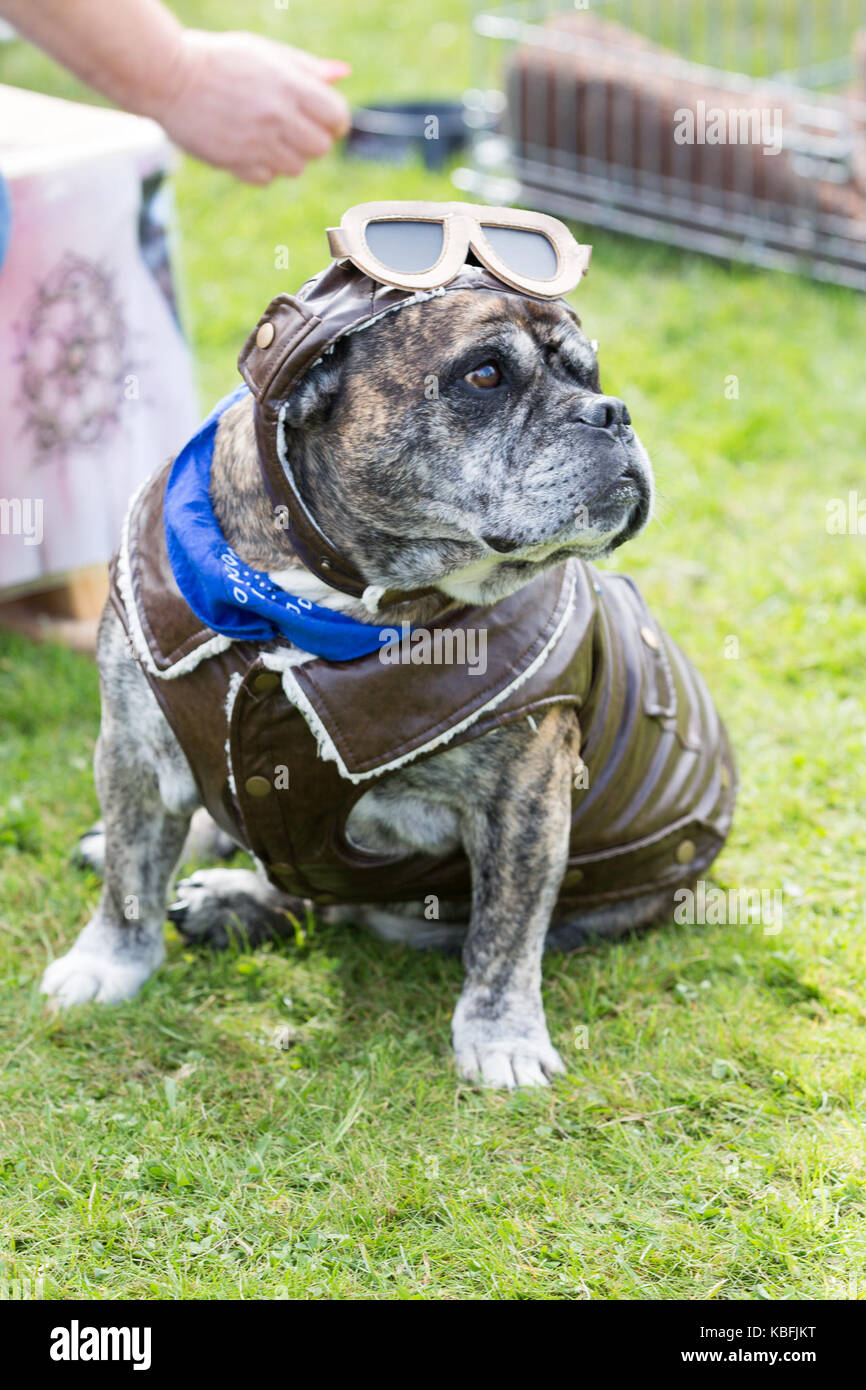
<point>736,127</point>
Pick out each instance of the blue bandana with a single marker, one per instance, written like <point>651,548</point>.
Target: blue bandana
<point>227,594</point>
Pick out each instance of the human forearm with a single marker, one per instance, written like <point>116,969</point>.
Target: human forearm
<point>129,50</point>
<point>239,101</point>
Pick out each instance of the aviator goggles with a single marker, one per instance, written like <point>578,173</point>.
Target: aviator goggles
<point>422,246</point>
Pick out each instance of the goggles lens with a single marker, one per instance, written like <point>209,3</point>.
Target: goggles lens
<point>524,252</point>
<point>406,246</point>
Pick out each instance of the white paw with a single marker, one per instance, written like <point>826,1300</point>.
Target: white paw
<point>213,906</point>
<point>502,1040</point>
<point>210,901</point>
<point>107,976</point>
<point>219,883</point>
<point>508,1063</point>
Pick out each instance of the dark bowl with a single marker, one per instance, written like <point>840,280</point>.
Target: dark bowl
<point>396,132</point>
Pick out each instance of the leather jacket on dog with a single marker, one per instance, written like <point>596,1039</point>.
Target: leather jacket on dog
<point>282,747</point>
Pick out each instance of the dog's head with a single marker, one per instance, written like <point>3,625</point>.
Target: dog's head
<point>465,442</point>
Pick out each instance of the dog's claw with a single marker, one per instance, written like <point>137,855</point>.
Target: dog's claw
<point>509,1065</point>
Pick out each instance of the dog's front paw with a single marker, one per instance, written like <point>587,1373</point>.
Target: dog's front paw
<point>508,1064</point>
<point>214,905</point>
<point>505,1051</point>
<point>88,973</point>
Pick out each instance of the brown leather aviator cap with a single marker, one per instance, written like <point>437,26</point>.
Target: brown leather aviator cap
<point>289,338</point>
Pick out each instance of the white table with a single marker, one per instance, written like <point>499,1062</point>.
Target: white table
<point>96,382</point>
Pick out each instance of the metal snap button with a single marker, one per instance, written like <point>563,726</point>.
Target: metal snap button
<point>257,786</point>
<point>686,851</point>
<point>266,681</point>
<point>265,335</point>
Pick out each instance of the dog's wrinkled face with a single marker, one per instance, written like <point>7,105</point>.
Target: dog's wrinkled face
<point>465,442</point>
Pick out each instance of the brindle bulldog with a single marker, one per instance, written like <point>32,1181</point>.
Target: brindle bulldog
<point>461,458</point>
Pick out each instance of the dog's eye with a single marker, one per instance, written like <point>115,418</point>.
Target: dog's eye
<point>485,376</point>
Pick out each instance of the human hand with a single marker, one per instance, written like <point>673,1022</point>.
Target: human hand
<point>251,105</point>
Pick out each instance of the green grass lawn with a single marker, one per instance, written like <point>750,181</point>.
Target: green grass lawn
<point>708,1139</point>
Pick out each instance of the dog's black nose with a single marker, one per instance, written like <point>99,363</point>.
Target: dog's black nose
<point>604,412</point>
<point>502,544</point>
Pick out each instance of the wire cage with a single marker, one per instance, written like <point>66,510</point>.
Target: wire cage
<point>734,127</point>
